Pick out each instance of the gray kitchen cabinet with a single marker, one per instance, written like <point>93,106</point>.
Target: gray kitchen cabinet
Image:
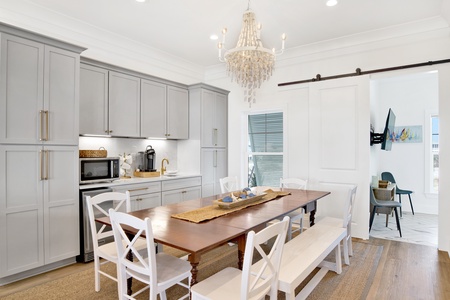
<point>39,128</point>
<point>39,93</point>
<point>213,167</point>
<point>177,113</point>
<point>124,105</point>
<point>164,111</point>
<point>214,116</point>
<point>38,206</point>
<point>93,100</point>
<point>206,150</point>
<point>153,109</point>
<point>142,195</point>
<point>109,102</point>
<point>179,190</point>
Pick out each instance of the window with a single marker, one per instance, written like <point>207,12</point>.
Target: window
<point>435,153</point>
<point>265,149</point>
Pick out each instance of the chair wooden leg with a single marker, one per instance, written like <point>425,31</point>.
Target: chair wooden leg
<point>398,221</point>
<point>410,203</point>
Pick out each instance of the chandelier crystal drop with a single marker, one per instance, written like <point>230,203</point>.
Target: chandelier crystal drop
<point>249,63</point>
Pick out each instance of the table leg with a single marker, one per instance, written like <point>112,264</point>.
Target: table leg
<point>312,217</point>
<point>241,241</point>
<point>194,259</point>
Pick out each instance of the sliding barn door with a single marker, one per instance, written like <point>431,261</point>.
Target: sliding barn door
<point>339,146</point>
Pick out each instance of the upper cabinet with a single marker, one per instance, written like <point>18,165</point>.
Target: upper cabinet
<point>93,100</point>
<point>124,103</point>
<point>177,113</point>
<point>39,92</point>
<point>213,115</point>
<point>164,111</point>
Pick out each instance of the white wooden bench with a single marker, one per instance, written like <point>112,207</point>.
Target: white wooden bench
<point>304,253</point>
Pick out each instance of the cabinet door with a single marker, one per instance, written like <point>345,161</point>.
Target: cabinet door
<point>61,213</point>
<point>177,113</point>
<point>170,197</point>
<point>21,90</point>
<point>221,168</point>
<point>221,119</point>
<point>213,167</point>
<point>208,129</point>
<point>124,105</point>
<point>192,193</point>
<point>21,210</point>
<point>153,109</point>
<point>93,100</point>
<point>146,201</point>
<point>61,96</point>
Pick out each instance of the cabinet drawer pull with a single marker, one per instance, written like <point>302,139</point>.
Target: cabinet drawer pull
<point>139,189</point>
<point>46,125</point>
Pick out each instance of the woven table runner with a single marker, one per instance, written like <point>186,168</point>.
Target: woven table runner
<point>214,211</point>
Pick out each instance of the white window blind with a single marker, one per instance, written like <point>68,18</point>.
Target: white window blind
<point>265,159</point>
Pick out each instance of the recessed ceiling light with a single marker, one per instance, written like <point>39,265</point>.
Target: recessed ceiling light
<point>213,37</point>
<point>331,2</point>
<point>140,0</point>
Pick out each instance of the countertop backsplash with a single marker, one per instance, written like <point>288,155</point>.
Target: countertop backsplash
<point>115,146</point>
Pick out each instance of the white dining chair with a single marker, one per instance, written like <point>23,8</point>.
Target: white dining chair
<point>295,217</point>
<point>251,282</point>
<point>158,271</point>
<point>228,184</point>
<point>345,222</point>
<point>108,252</point>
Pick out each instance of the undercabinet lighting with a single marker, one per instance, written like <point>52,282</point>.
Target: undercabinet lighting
<point>331,2</point>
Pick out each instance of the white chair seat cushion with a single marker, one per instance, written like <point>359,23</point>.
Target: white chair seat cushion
<point>109,252</point>
<point>169,269</point>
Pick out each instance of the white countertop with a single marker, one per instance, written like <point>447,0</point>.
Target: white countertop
<point>136,180</point>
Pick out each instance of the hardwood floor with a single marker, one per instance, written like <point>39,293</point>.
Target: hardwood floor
<point>405,271</point>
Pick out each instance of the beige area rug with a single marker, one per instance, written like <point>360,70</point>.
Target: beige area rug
<point>353,283</point>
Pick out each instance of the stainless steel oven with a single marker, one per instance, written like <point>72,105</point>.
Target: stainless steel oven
<point>86,243</point>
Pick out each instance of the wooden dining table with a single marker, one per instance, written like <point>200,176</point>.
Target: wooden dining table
<point>199,238</point>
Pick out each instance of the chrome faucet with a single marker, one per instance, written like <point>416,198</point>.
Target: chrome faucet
<point>163,169</point>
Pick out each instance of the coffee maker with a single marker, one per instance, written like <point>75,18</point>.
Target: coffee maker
<point>146,160</point>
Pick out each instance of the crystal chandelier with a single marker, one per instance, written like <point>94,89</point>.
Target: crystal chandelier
<point>249,63</point>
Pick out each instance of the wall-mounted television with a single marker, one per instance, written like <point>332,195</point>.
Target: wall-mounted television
<point>385,138</point>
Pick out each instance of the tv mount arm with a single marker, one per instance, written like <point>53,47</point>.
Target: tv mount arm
<point>375,138</point>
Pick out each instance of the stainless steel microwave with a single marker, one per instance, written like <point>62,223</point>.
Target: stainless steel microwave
<point>94,170</point>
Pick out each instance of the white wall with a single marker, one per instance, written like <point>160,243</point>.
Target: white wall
<point>409,96</point>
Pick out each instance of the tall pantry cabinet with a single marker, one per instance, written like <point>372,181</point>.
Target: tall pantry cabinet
<point>39,113</point>
<point>208,131</point>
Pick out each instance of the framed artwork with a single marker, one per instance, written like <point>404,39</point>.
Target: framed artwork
<point>407,134</point>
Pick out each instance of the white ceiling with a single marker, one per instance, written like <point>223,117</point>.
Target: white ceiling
<point>183,27</point>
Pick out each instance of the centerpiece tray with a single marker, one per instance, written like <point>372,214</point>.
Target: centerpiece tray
<point>238,203</point>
